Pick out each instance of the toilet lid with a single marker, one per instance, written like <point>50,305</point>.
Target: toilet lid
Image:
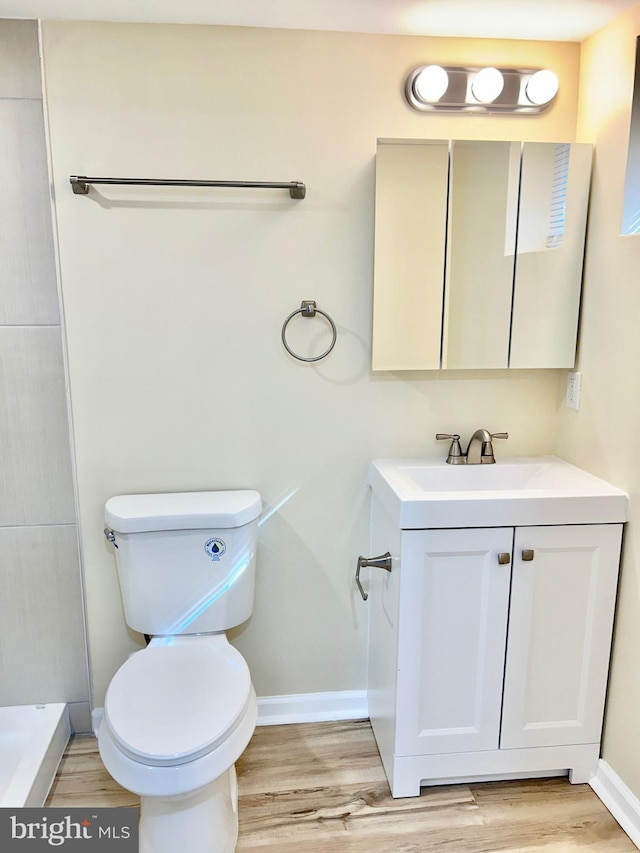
<point>174,702</point>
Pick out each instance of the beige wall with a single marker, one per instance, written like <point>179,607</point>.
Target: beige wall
<point>174,301</point>
<point>602,437</point>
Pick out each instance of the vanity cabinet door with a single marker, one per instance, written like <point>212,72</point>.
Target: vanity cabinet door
<point>560,623</point>
<point>454,597</point>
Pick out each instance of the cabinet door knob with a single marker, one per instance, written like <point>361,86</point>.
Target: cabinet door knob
<point>504,558</point>
<point>528,554</point>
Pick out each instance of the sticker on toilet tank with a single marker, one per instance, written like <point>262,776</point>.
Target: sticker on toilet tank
<point>215,548</point>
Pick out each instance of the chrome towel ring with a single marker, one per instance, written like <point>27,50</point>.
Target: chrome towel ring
<point>308,309</point>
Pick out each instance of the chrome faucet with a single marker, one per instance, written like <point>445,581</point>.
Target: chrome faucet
<point>479,449</point>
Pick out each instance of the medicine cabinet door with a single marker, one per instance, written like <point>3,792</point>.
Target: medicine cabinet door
<point>483,205</point>
<point>410,230</point>
<point>554,196</point>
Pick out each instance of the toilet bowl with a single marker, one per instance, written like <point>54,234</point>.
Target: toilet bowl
<point>179,713</point>
<point>177,716</point>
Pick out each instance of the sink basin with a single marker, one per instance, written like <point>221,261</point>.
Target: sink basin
<point>422,493</point>
<point>464,478</point>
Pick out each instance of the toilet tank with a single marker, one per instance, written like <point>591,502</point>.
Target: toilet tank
<point>186,561</point>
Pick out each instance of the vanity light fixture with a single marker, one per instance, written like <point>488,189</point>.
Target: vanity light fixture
<point>472,89</point>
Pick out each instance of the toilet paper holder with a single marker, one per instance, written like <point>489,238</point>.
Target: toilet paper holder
<point>383,561</point>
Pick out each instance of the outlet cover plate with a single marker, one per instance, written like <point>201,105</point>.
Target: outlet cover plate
<point>574,388</point>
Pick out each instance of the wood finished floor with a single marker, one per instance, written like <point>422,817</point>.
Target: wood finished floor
<point>320,788</point>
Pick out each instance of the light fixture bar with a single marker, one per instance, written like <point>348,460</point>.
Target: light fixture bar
<point>430,88</point>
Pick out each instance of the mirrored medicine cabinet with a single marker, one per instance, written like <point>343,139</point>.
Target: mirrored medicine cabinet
<point>478,253</point>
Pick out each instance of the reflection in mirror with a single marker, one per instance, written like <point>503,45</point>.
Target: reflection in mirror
<point>542,217</point>
<point>483,201</point>
<point>554,193</point>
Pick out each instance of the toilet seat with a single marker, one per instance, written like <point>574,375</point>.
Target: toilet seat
<point>178,699</point>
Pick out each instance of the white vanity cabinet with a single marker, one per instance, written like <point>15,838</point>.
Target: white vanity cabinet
<point>489,649</point>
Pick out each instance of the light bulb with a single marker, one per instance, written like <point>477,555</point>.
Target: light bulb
<point>431,84</point>
<point>542,87</point>
<point>487,85</point>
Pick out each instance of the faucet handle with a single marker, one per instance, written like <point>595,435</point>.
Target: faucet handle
<point>486,454</point>
<point>456,456</point>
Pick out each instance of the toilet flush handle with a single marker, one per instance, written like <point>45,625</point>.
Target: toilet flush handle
<point>110,536</point>
<point>381,562</point>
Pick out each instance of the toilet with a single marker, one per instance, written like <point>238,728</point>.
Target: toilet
<point>178,714</point>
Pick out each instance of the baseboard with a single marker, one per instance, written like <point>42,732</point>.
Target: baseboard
<point>80,717</point>
<point>312,707</point>
<point>619,799</point>
<point>96,719</point>
<point>297,708</point>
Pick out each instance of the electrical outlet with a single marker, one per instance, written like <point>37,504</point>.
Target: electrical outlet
<point>574,386</point>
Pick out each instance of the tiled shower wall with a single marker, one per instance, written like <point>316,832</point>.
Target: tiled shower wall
<point>43,655</point>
